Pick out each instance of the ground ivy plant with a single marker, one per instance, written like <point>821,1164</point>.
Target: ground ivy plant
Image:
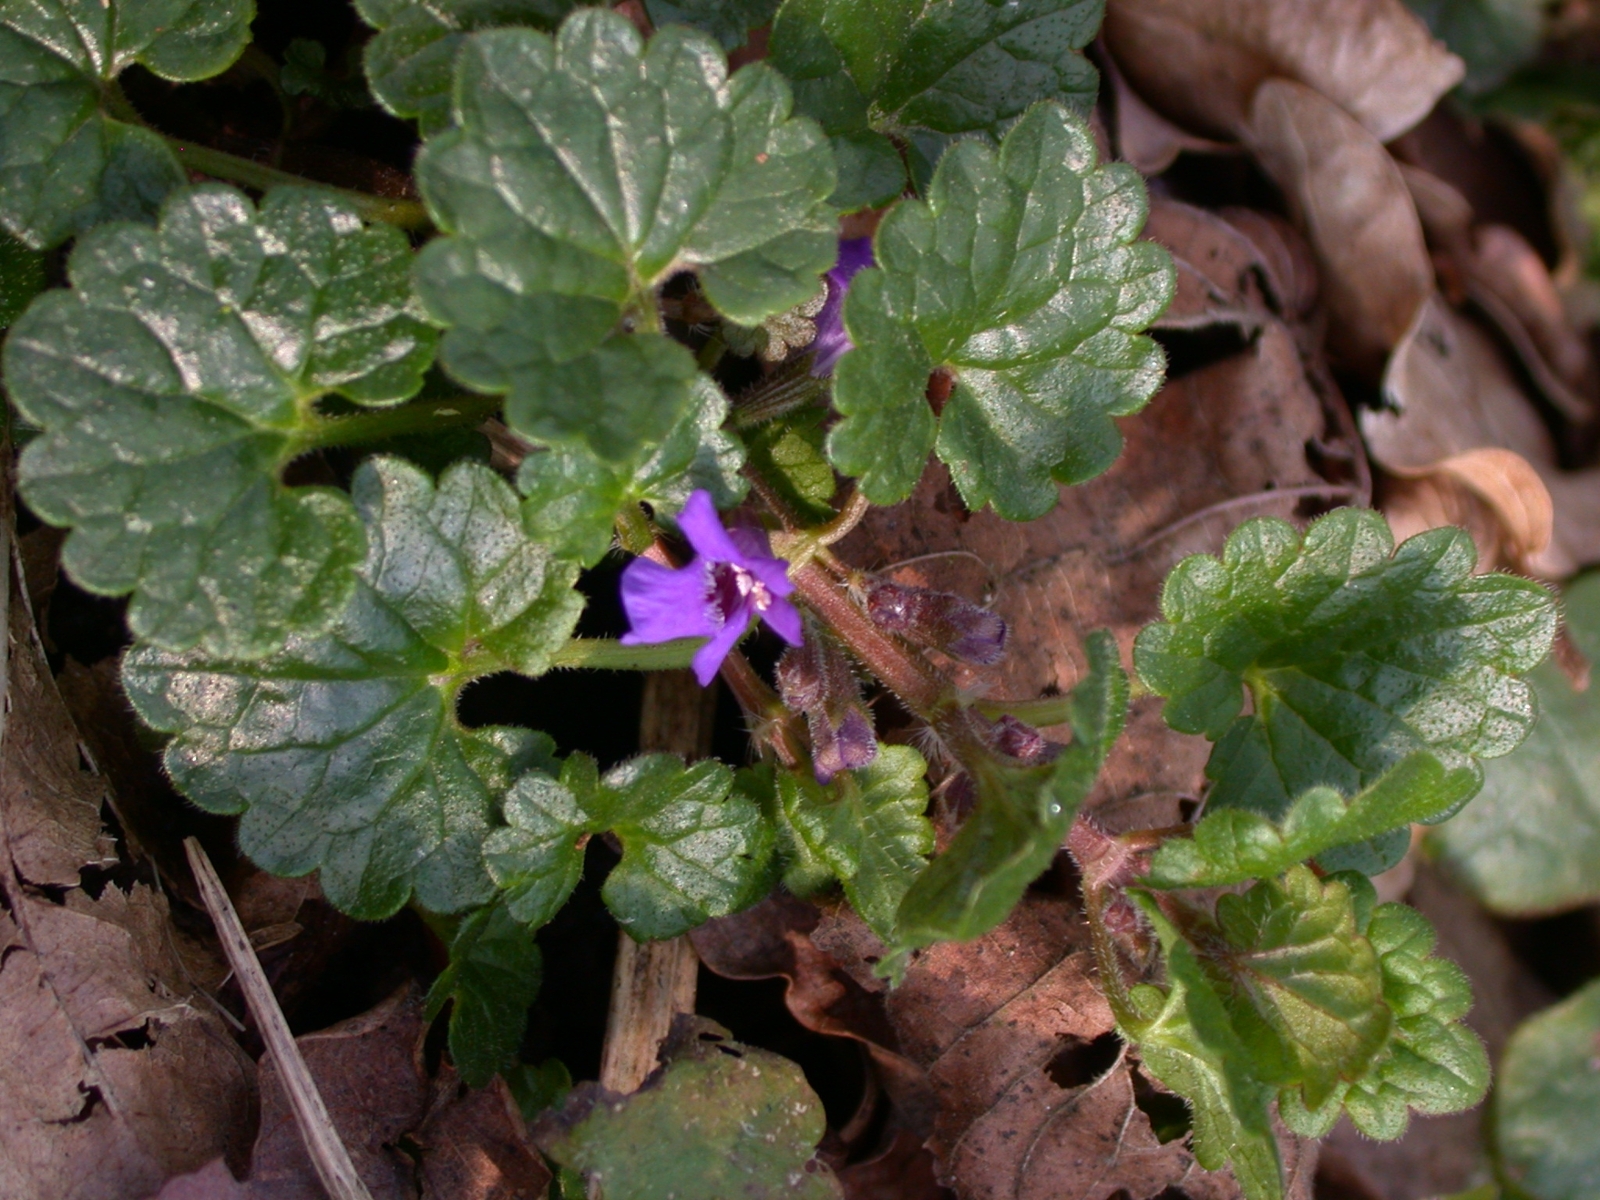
<point>253,411</point>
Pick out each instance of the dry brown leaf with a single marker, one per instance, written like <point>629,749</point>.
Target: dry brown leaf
<point>1450,392</point>
<point>115,1074</point>
<point>1221,272</point>
<point>475,1146</point>
<point>1200,62</point>
<point>1350,198</point>
<point>903,1171</point>
<point>1145,138</point>
<point>1512,520</point>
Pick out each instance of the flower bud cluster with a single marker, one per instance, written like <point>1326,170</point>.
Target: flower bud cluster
<point>938,620</point>
<point>815,679</point>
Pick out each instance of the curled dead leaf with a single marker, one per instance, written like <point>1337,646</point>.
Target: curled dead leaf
<point>1517,527</point>
<point>1351,200</point>
<point>1144,137</point>
<point>1200,62</point>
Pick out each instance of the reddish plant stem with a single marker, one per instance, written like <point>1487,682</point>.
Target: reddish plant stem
<point>904,672</point>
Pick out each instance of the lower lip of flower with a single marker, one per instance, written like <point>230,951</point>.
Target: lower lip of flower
<point>729,588</point>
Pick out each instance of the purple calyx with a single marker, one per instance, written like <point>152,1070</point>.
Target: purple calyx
<point>831,343</point>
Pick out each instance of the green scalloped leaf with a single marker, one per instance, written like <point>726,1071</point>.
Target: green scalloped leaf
<point>729,21</point>
<point>175,381</point>
<point>719,1119</point>
<point>1022,815</point>
<point>1021,277</point>
<point>493,977</point>
<point>342,751</point>
<point>1530,842</point>
<point>1233,845</point>
<point>410,63</point>
<point>573,498</point>
<point>923,70</point>
<point>584,171</point>
<point>692,848</point>
<point>65,163</point>
<point>1356,655</point>
<point>1300,985</point>
<point>1186,1041</point>
<point>1432,1064</point>
<point>1548,1094</point>
<point>868,827</point>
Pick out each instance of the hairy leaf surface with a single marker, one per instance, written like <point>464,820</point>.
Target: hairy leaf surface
<point>1356,655</point>
<point>868,827</point>
<point>583,172</point>
<point>65,164</point>
<point>1233,845</point>
<point>342,751</point>
<point>1022,815</point>
<point>493,976</point>
<point>1530,843</point>
<point>573,497</point>
<point>410,63</point>
<point>1187,1041</point>
<point>1020,276</point>
<point>692,849</point>
<point>722,1119</point>
<point>1300,985</point>
<point>174,381</point>
<point>1432,1063</point>
<point>924,70</point>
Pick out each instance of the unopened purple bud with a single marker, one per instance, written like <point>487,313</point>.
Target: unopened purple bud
<point>938,620</point>
<point>1019,740</point>
<point>815,679</point>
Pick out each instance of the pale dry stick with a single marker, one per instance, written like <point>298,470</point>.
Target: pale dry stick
<point>654,981</point>
<point>328,1154</point>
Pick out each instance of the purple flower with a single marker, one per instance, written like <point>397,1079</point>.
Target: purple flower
<point>831,340</point>
<point>816,680</point>
<point>732,579</point>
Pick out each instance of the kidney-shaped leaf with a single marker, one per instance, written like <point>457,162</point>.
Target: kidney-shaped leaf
<point>65,165</point>
<point>493,977</point>
<point>176,379</point>
<point>923,70</point>
<point>1356,655</point>
<point>343,750</point>
<point>586,169</point>
<point>410,63</point>
<point>690,849</point>
<point>1545,1102</point>
<point>1020,276</point>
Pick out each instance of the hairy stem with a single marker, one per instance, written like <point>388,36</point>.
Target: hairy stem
<point>605,654</point>
<point>786,392</point>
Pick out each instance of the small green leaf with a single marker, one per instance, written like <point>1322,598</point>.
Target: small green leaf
<point>868,827</point>
<point>573,497</point>
<point>584,171</point>
<point>1433,1063</point>
<point>1530,842</point>
<point>1187,1042</point>
<point>1495,37</point>
<point>1356,655</point>
<point>178,377</point>
<point>721,1119</point>
<point>1299,983</point>
<point>869,70</point>
<point>788,452</point>
<point>729,21</point>
<point>410,62</point>
<point>537,1088</point>
<point>1022,815</point>
<point>1020,275</point>
<point>1233,845</point>
<point>343,751</point>
<point>690,849</point>
<point>1548,1095</point>
<point>65,164</point>
<point>21,278</point>
<point>493,977</point>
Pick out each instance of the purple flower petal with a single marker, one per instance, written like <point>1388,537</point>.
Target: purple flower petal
<point>703,527</point>
<point>708,659</point>
<point>663,604</point>
<point>758,560</point>
<point>831,342</point>
<point>783,619</point>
